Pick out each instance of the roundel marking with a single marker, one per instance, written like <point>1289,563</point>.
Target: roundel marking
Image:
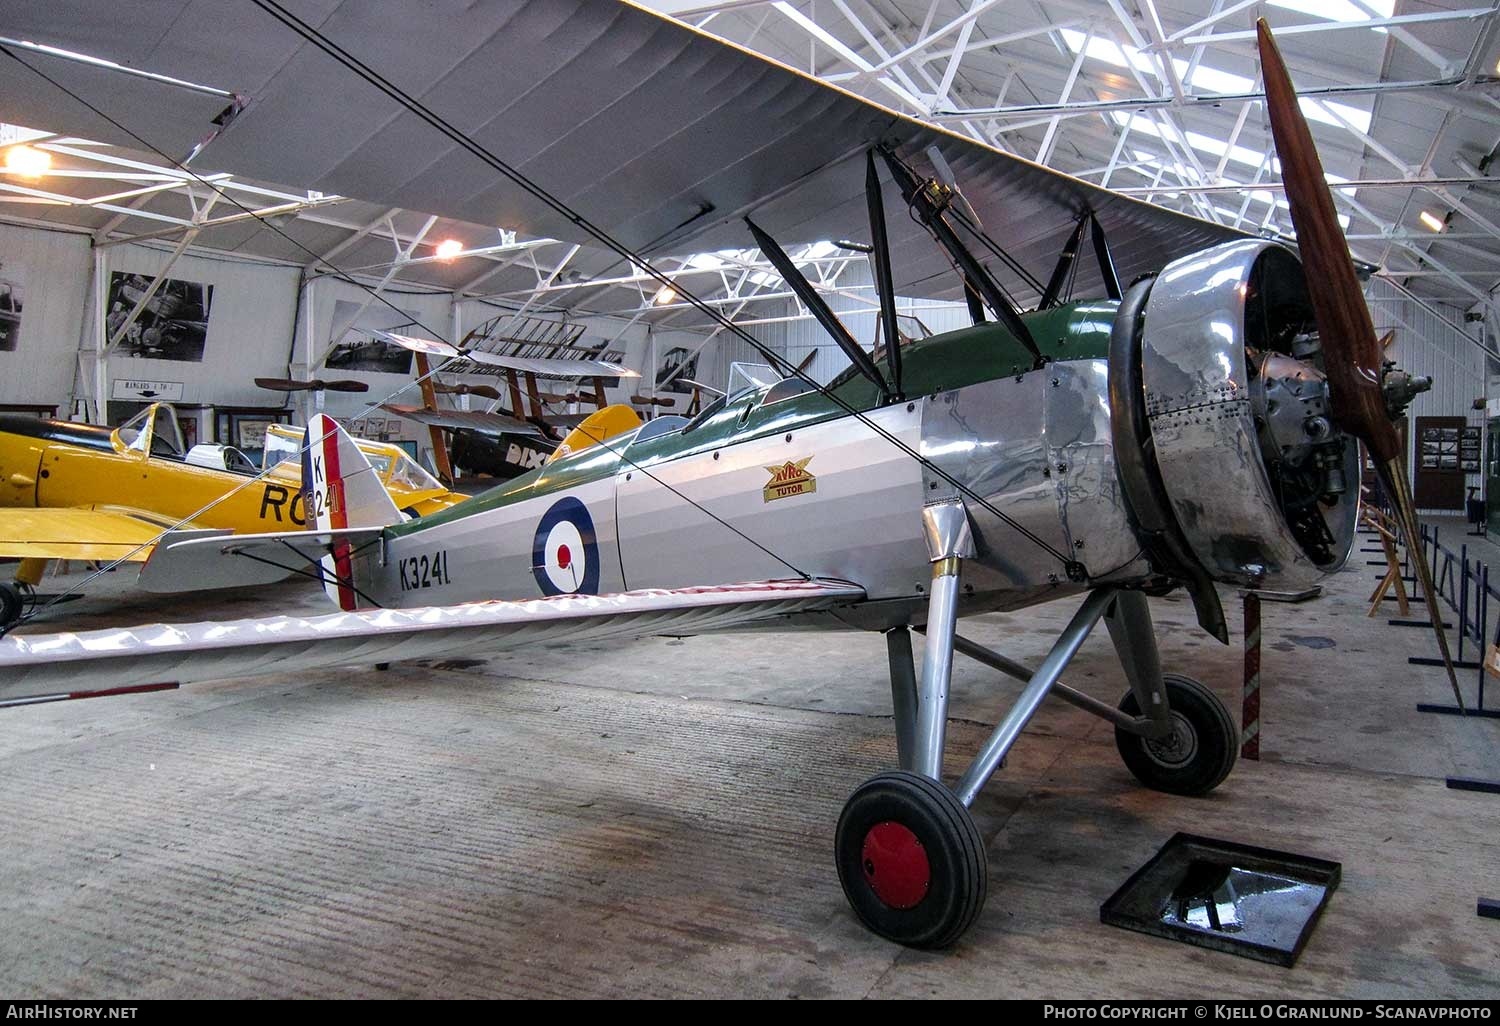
<point>565,551</point>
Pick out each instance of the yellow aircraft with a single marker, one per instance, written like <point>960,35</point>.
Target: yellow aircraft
<point>76,491</point>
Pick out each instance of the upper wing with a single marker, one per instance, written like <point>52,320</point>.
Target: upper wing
<point>663,136</point>
<point>101,533</point>
<point>478,362</point>
<point>51,667</point>
<point>474,420</point>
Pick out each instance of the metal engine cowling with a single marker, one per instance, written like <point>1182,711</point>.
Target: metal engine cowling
<point>1262,486</point>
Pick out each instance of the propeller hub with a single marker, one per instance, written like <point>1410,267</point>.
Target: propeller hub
<point>1399,388</point>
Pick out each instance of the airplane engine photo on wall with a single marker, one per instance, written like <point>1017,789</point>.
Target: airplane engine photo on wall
<point>172,321</point>
<point>11,298</point>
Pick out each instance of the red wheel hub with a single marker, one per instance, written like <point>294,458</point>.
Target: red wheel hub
<point>895,865</point>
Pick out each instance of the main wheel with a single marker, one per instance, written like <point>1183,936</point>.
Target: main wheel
<point>911,860</point>
<point>10,604</point>
<point>1198,754</point>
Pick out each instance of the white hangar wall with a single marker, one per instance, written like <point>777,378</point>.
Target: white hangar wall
<point>259,325</point>
<point>1434,340</point>
<point>249,326</point>
<point>49,270</point>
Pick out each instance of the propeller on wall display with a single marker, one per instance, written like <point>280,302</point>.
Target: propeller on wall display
<point>313,385</point>
<point>1366,394</point>
<point>483,391</point>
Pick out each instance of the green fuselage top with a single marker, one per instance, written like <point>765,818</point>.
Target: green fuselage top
<point>983,352</point>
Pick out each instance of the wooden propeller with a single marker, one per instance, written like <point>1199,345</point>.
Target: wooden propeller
<point>483,391</point>
<point>1353,358</point>
<point>314,385</point>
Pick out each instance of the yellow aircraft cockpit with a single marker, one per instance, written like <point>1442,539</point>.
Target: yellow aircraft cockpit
<point>153,431</point>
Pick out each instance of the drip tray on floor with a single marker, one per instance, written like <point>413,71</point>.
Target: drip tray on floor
<point>1251,902</point>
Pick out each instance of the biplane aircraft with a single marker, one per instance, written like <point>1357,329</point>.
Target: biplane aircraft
<point>77,491</point>
<point>1197,424</point>
<point>506,443</point>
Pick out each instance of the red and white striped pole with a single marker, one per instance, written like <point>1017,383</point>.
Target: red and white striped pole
<point>1250,717</point>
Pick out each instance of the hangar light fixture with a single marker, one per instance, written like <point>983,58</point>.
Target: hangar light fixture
<point>449,248</point>
<point>27,161</point>
<point>664,295</point>
<point>1432,221</point>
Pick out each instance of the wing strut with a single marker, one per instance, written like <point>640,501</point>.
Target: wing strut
<point>1064,268</point>
<point>819,309</point>
<point>1106,262</point>
<point>930,212</point>
<point>882,260</point>
<point>1069,256</point>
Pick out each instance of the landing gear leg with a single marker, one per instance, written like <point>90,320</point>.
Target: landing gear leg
<point>909,855</point>
<point>1183,740</point>
<point>903,693</point>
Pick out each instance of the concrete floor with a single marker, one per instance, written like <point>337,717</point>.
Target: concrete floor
<point>656,819</point>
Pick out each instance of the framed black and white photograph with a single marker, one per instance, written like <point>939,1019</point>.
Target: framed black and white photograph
<point>10,315</point>
<point>354,348</point>
<point>173,323</point>
<point>677,357</point>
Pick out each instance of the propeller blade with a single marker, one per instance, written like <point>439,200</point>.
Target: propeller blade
<point>284,384</point>
<point>315,385</point>
<point>1352,355</point>
<point>1353,358</point>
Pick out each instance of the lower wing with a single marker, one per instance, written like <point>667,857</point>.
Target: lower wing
<point>97,533</point>
<point>42,668</point>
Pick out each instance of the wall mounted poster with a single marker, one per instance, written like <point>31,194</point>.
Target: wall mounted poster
<point>173,325</point>
<point>1440,448</point>
<point>1468,449</point>
<point>675,358</point>
<point>1438,480</point>
<point>354,348</point>
<point>10,312</point>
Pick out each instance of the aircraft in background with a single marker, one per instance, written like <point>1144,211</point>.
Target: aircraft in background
<point>1198,426</point>
<point>497,442</point>
<point>77,491</point>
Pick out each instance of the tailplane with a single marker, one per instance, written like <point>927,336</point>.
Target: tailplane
<point>341,490</point>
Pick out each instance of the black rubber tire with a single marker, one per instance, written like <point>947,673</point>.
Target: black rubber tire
<point>10,604</point>
<point>1201,752</point>
<point>951,841</point>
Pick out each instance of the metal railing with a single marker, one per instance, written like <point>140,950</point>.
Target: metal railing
<point>1463,584</point>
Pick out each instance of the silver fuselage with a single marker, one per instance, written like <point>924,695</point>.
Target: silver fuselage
<point>1035,447</point>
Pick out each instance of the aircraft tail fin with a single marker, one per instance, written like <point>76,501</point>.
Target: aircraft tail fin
<point>341,490</point>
